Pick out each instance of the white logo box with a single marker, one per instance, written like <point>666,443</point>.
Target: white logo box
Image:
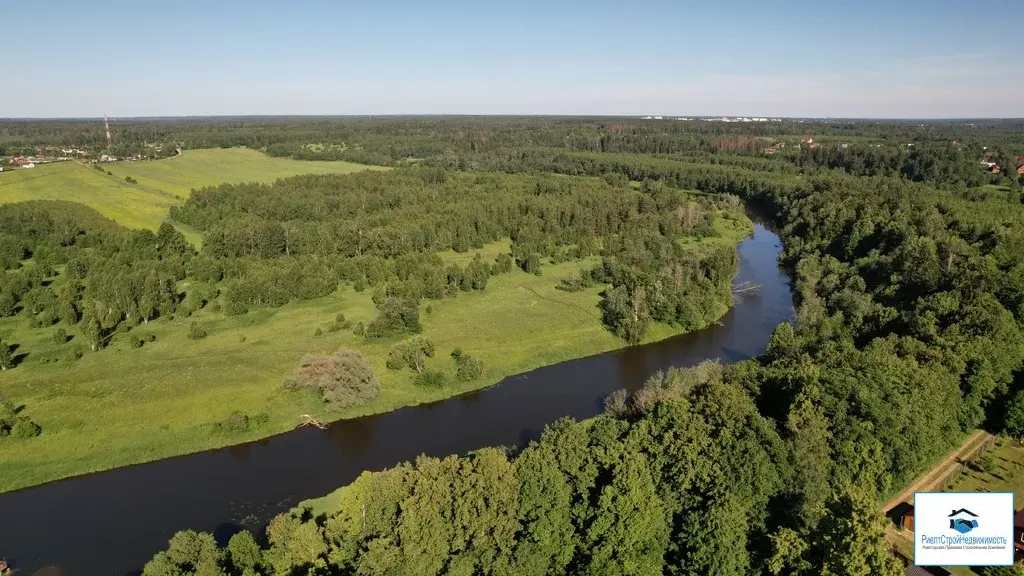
<point>981,533</point>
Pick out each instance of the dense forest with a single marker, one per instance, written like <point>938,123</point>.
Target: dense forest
<point>908,263</point>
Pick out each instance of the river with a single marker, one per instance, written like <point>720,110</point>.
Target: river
<point>111,523</point>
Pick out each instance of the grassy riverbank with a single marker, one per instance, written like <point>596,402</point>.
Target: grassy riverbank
<point>126,405</point>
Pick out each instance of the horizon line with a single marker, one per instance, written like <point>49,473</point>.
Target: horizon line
<point>501,115</point>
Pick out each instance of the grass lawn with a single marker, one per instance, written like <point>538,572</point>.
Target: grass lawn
<point>179,175</point>
<point>125,405</point>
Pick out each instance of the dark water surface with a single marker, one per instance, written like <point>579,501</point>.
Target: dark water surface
<point>111,523</point>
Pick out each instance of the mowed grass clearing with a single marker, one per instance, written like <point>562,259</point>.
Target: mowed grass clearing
<point>194,169</point>
<point>125,405</point>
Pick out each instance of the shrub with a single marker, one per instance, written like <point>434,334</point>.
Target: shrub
<point>135,341</point>
<point>25,428</point>
<point>457,354</point>
<point>359,330</point>
<point>196,332</point>
<point>574,283</point>
<point>397,317</point>
<point>318,332</point>
<point>60,336</point>
<point>411,353</point>
<point>344,378</point>
<point>237,422</point>
<point>430,379</point>
<point>616,404</point>
<point>151,338</point>
<point>15,425</point>
<point>470,369</point>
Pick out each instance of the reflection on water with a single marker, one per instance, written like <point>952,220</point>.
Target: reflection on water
<point>113,522</point>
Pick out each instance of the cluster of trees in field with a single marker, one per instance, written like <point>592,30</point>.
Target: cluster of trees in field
<point>908,334</point>
<point>86,271</point>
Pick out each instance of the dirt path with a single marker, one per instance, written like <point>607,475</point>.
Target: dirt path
<point>940,470</point>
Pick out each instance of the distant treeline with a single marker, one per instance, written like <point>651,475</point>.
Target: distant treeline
<point>945,153</point>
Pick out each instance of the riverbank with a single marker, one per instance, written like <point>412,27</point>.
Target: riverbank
<point>124,405</point>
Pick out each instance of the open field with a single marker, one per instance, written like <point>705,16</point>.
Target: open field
<point>161,183</point>
<point>124,405</point>
<point>132,206</point>
<point>198,168</point>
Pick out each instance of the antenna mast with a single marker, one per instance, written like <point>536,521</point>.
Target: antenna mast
<point>106,125</point>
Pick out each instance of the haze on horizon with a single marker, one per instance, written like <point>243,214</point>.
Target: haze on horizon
<point>874,59</point>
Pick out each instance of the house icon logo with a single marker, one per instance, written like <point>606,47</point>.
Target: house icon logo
<point>963,520</point>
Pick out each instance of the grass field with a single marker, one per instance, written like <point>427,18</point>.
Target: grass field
<point>130,205</point>
<point>198,168</point>
<point>124,405</point>
<point>161,183</point>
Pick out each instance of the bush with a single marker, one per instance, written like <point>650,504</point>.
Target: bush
<point>344,378</point>
<point>616,404</point>
<point>318,332</point>
<point>470,369</point>
<point>60,336</point>
<point>397,317</point>
<point>431,379</point>
<point>151,338</point>
<point>196,332</point>
<point>135,341</point>
<point>574,283</point>
<point>412,353</point>
<point>236,422</point>
<point>25,428</point>
<point>457,354</point>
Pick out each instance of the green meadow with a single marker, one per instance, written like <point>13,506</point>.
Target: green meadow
<point>125,405</point>
<point>160,183</point>
<point>193,169</point>
<point>132,206</point>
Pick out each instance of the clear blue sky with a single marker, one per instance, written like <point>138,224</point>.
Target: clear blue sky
<point>869,58</point>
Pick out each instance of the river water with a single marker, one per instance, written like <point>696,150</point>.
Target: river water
<point>111,523</point>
